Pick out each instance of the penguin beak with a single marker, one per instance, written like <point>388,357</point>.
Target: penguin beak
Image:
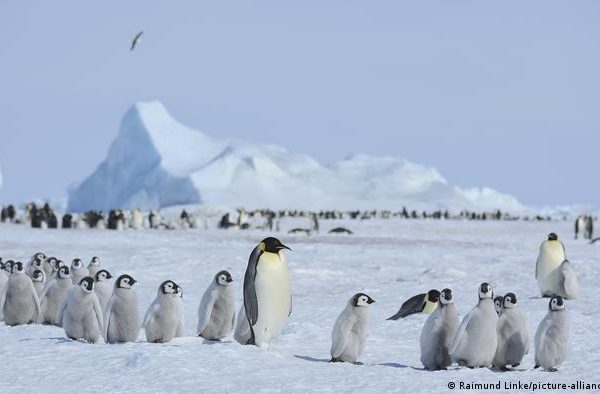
<point>228,280</point>
<point>371,301</point>
<point>282,246</point>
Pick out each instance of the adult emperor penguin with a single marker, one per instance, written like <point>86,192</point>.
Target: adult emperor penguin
<point>499,304</point>
<point>421,303</point>
<point>78,271</point>
<point>22,304</point>
<point>477,339</point>
<point>121,318</point>
<point>102,287</point>
<point>81,315</point>
<point>242,332</point>
<point>350,330</point>
<point>164,318</point>
<point>552,336</point>
<point>267,296</point>
<point>438,333</point>
<point>216,314</point>
<point>513,335</point>
<point>94,266</point>
<point>54,296</point>
<point>39,281</point>
<point>554,272</point>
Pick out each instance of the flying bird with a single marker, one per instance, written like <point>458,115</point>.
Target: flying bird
<point>135,40</point>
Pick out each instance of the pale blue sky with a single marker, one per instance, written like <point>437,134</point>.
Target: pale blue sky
<point>503,94</point>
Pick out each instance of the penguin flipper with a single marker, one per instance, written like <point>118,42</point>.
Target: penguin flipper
<point>342,328</point>
<point>150,313</point>
<point>460,333</point>
<point>413,305</point>
<point>250,299</point>
<point>107,314</point>
<point>36,301</point>
<point>205,309</point>
<point>98,313</point>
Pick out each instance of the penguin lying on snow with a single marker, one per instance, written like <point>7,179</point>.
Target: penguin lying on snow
<point>552,336</point>
<point>438,333</point>
<point>425,303</point>
<point>350,330</point>
<point>267,297</point>
<point>216,313</point>
<point>340,230</point>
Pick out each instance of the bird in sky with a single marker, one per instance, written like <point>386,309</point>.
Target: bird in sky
<point>135,40</point>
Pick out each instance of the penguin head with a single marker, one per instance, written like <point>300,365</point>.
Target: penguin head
<point>102,275</point>
<point>95,261</point>
<point>37,276</point>
<point>552,237</point>
<point>361,300</point>
<point>8,266</point>
<point>271,245</point>
<point>63,272</point>
<point>87,284</point>
<point>485,291</point>
<point>556,303</point>
<point>169,287</point>
<point>58,264</point>
<point>498,304</point>
<point>39,255</point>
<point>446,296</point>
<point>17,268</point>
<point>509,301</point>
<point>37,263</point>
<point>433,296</point>
<point>125,281</point>
<point>223,278</point>
<point>76,264</point>
<point>51,261</point>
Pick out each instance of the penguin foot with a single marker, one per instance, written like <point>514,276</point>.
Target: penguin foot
<point>358,363</point>
<point>335,360</point>
<point>536,366</point>
<point>462,363</point>
<point>515,365</point>
<point>552,370</point>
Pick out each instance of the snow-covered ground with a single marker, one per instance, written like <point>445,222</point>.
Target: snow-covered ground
<point>388,259</point>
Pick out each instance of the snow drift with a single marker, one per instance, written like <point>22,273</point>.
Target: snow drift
<point>157,162</point>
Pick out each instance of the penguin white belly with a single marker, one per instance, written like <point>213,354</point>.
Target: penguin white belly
<point>478,346</point>
<point>272,285</point>
<point>552,254</point>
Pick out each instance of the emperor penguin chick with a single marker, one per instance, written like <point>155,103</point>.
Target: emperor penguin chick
<point>164,317</point>
<point>121,317</point>
<point>78,271</point>
<point>513,335</point>
<point>39,281</point>
<point>21,303</point>
<point>350,330</point>
<point>103,288</point>
<point>54,296</point>
<point>81,315</point>
<point>477,339</point>
<point>216,313</point>
<point>552,339</point>
<point>438,333</point>
<point>94,266</point>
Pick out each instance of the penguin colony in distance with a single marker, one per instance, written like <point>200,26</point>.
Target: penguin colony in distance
<point>494,332</point>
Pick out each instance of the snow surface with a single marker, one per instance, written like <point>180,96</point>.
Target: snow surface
<point>390,260</point>
<point>156,162</point>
